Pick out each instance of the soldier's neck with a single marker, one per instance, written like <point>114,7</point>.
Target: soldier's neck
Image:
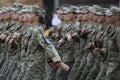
<point>83,21</point>
<point>9,21</point>
<point>25,24</point>
<point>95,22</point>
<point>17,22</point>
<point>112,23</point>
<point>117,22</point>
<point>4,21</point>
<point>14,20</point>
<point>103,23</point>
<point>35,23</point>
<point>74,19</point>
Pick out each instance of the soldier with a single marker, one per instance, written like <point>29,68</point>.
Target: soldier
<point>76,39</point>
<point>113,48</point>
<point>57,35</point>
<point>109,31</point>
<point>83,39</point>
<point>38,39</point>
<point>96,58</point>
<point>11,50</point>
<point>68,44</point>
<point>26,34</point>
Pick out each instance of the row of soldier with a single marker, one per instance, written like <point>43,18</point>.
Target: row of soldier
<point>24,50</point>
<point>88,40</point>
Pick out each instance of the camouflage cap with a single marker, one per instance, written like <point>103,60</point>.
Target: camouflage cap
<point>4,9</point>
<point>67,10</point>
<point>1,11</point>
<point>75,9</point>
<point>107,12</point>
<point>89,8</point>
<point>17,5</point>
<point>115,7</point>
<point>27,9</point>
<point>83,9</point>
<point>62,10</point>
<point>59,10</point>
<point>39,11</point>
<point>116,10</point>
<point>98,10</point>
<point>111,12</point>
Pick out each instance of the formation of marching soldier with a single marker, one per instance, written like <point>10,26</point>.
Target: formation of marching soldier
<point>88,43</point>
<point>88,40</point>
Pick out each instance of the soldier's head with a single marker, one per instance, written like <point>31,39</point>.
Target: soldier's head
<point>35,14</point>
<point>69,15</point>
<point>15,16</point>
<point>97,12</point>
<point>1,15</point>
<point>85,17</point>
<point>25,17</point>
<point>65,16</point>
<point>15,9</point>
<point>112,15</point>
<point>79,17</point>
<point>60,13</point>
<point>85,13</point>
<point>20,16</point>
<point>95,18</point>
<point>4,16</point>
<point>9,13</point>
<point>75,10</point>
<point>116,11</point>
<point>100,13</point>
<point>61,17</point>
<point>101,19</point>
<point>91,16</point>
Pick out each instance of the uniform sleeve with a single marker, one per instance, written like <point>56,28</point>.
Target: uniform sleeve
<point>118,40</point>
<point>104,49</point>
<point>62,40</point>
<point>28,33</point>
<point>49,48</point>
<point>75,28</point>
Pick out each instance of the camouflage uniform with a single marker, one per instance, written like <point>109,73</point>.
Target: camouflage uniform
<point>37,57</point>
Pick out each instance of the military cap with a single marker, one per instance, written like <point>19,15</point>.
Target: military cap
<point>89,8</point>
<point>111,12</point>
<point>27,9</point>
<point>39,11</point>
<point>116,10</point>
<point>67,10</point>
<point>83,9</point>
<point>97,10</point>
<point>1,11</point>
<point>115,7</point>
<point>75,9</point>
<point>4,10</point>
<point>107,12</point>
<point>59,10</point>
<point>17,5</point>
<point>20,12</point>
